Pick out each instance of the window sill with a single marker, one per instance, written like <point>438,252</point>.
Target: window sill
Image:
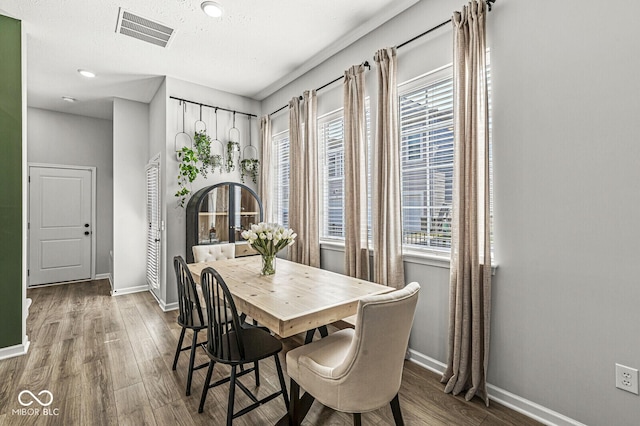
<point>418,257</point>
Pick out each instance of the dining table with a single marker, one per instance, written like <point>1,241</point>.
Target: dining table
<point>296,299</point>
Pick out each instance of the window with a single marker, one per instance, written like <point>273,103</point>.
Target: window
<point>426,145</point>
<point>331,147</point>
<point>331,141</point>
<point>426,141</point>
<point>281,148</point>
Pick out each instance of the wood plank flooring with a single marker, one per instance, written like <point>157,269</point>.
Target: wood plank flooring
<point>107,361</point>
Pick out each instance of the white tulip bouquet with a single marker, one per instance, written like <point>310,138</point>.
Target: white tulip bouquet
<point>268,239</point>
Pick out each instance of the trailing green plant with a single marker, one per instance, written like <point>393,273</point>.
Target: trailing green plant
<point>187,173</point>
<point>249,166</point>
<point>217,162</point>
<point>232,149</point>
<point>202,143</point>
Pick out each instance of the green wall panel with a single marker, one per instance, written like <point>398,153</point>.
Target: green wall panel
<point>10,183</point>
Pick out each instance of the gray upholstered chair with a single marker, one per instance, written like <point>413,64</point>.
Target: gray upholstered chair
<point>210,252</point>
<point>358,370</point>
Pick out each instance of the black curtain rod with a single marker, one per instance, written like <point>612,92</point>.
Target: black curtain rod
<point>214,107</point>
<point>489,6</point>
<point>366,64</point>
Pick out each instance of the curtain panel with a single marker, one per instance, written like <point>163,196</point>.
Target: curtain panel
<point>303,195</point>
<point>355,174</point>
<point>470,277</point>
<point>267,165</point>
<point>388,267</point>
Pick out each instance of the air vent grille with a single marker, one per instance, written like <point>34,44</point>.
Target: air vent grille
<point>144,29</point>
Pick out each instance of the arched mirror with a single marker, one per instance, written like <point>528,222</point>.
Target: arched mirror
<point>219,213</point>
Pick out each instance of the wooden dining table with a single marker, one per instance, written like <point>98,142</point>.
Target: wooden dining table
<point>296,299</point>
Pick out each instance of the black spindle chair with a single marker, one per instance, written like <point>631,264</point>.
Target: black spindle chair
<point>235,344</point>
<point>191,316</point>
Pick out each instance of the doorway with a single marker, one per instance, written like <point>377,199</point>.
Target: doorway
<point>62,241</point>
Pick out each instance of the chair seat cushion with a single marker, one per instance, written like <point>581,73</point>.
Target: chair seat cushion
<point>258,344</point>
<point>325,354</point>
<point>194,321</point>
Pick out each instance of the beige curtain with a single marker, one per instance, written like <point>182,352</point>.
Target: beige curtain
<point>355,175</point>
<point>388,268</point>
<point>266,169</point>
<point>303,195</point>
<point>470,280</point>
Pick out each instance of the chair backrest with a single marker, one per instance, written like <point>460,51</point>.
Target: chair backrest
<point>188,300</point>
<point>207,253</point>
<point>224,333</point>
<point>373,364</point>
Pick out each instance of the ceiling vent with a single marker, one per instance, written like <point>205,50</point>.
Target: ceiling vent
<point>144,29</point>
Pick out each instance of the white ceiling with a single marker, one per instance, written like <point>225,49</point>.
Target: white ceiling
<point>256,48</point>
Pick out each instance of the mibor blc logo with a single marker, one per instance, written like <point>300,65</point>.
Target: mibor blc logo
<point>29,402</point>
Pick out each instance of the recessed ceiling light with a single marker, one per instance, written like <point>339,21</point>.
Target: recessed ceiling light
<point>212,9</point>
<point>68,99</point>
<point>86,73</point>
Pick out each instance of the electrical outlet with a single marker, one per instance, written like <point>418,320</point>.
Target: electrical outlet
<point>627,378</point>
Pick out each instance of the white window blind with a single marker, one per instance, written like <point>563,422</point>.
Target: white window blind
<point>153,224</point>
<point>426,138</point>
<point>331,140</point>
<point>281,191</point>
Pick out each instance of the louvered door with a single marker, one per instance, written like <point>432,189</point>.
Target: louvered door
<point>153,225</point>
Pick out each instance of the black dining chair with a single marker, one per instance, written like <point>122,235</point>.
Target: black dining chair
<point>233,343</point>
<point>191,316</point>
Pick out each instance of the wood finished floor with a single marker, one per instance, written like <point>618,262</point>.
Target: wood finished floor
<point>107,361</point>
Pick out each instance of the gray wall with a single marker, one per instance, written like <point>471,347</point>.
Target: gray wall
<point>130,156</point>
<point>67,139</point>
<point>174,216</point>
<point>565,100</point>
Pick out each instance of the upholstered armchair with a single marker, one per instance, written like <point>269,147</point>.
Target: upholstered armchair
<point>207,253</point>
<point>358,370</point>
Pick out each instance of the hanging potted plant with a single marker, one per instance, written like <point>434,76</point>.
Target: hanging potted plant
<point>202,143</point>
<point>233,148</point>
<point>249,166</point>
<point>187,173</point>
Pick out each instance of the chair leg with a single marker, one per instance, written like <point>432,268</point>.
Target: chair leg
<point>283,385</point>
<point>232,394</point>
<point>395,409</point>
<point>357,421</point>
<point>293,404</point>
<point>205,388</point>
<point>175,360</point>
<point>192,359</point>
<point>256,370</point>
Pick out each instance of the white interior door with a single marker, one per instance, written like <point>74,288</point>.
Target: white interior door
<point>60,228</point>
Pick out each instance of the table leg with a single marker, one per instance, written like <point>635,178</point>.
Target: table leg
<point>309,336</point>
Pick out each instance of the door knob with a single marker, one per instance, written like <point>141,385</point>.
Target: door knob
<point>86,225</point>
<point>86,232</point>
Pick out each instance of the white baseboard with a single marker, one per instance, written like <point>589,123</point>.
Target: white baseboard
<point>106,276</point>
<point>521,405</point>
<point>129,290</point>
<point>166,307</point>
<point>16,350</point>
<point>426,362</point>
